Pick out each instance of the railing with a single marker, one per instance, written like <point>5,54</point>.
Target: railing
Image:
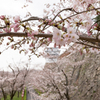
<point>31,95</point>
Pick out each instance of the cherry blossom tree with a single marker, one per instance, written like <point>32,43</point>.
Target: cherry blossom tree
<point>68,21</point>
<point>72,77</point>
<point>12,82</point>
<point>51,82</point>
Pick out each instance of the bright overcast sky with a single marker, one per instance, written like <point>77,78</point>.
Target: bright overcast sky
<point>14,7</point>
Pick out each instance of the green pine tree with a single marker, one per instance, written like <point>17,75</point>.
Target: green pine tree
<point>97,19</point>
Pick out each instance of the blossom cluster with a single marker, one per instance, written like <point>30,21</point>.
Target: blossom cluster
<point>59,38</point>
<point>62,39</point>
<point>68,22</point>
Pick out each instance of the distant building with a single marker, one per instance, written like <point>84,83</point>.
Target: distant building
<point>52,54</point>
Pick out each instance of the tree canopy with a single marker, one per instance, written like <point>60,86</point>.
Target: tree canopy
<point>74,21</point>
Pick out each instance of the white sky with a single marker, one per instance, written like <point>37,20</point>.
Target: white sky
<point>14,7</point>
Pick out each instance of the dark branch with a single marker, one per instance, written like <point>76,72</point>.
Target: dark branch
<point>81,12</point>
<point>44,35</point>
<point>88,45</point>
<point>22,34</point>
<point>85,38</point>
<point>13,34</point>
<point>33,18</point>
<point>88,38</point>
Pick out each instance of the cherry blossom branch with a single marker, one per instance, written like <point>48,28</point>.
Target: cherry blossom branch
<point>20,34</point>
<point>12,70</point>
<point>88,45</point>
<point>81,37</point>
<point>14,34</point>
<point>71,9</point>
<point>32,18</point>
<point>55,86</point>
<point>88,38</point>
<point>67,92</point>
<point>81,13</point>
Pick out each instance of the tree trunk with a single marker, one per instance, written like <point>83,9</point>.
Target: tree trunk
<point>18,94</point>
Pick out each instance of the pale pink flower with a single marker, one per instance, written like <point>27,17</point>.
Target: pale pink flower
<point>7,30</point>
<point>68,40</point>
<point>1,32</point>
<point>71,30</point>
<point>32,33</point>
<point>16,19</point>
<point>28,33</point>
<point>12,25</point>
<point>16,24</point>
<point>45,11</point>
<point>57,37</point>
<point>49,39</point>
<point>32,44</point>
<point>15,27</point>
<point>59,42</point>
<point>66,36</point>
<point>56,33</point>
<point>95,25</point>
<point>48,5</point>
<point>71,36</point>
<point>89,32</point>
<point>2,17</point>
<point>49,32</point>
<point>87,24</point>
<point>74,37</point>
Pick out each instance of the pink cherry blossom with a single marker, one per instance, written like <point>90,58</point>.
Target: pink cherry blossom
<point>49,32</point>
<point>89,32</point>
<point>12,25</point>
<point>32,33</point>
<point>2,17</point>
<point>1,32</point>
<point>71,30</point>
<point>56,33</point>
<point>49,39</point>
<point>32,44</point>
<point>95,25</point>
<point>59,42</point>
<point>15,27</point>
<point>57,37</point>
<point>66,35</point>
<point>16,19</point>
<point>74,37</point>
<point>67,38</point>
<point>7,30</point>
